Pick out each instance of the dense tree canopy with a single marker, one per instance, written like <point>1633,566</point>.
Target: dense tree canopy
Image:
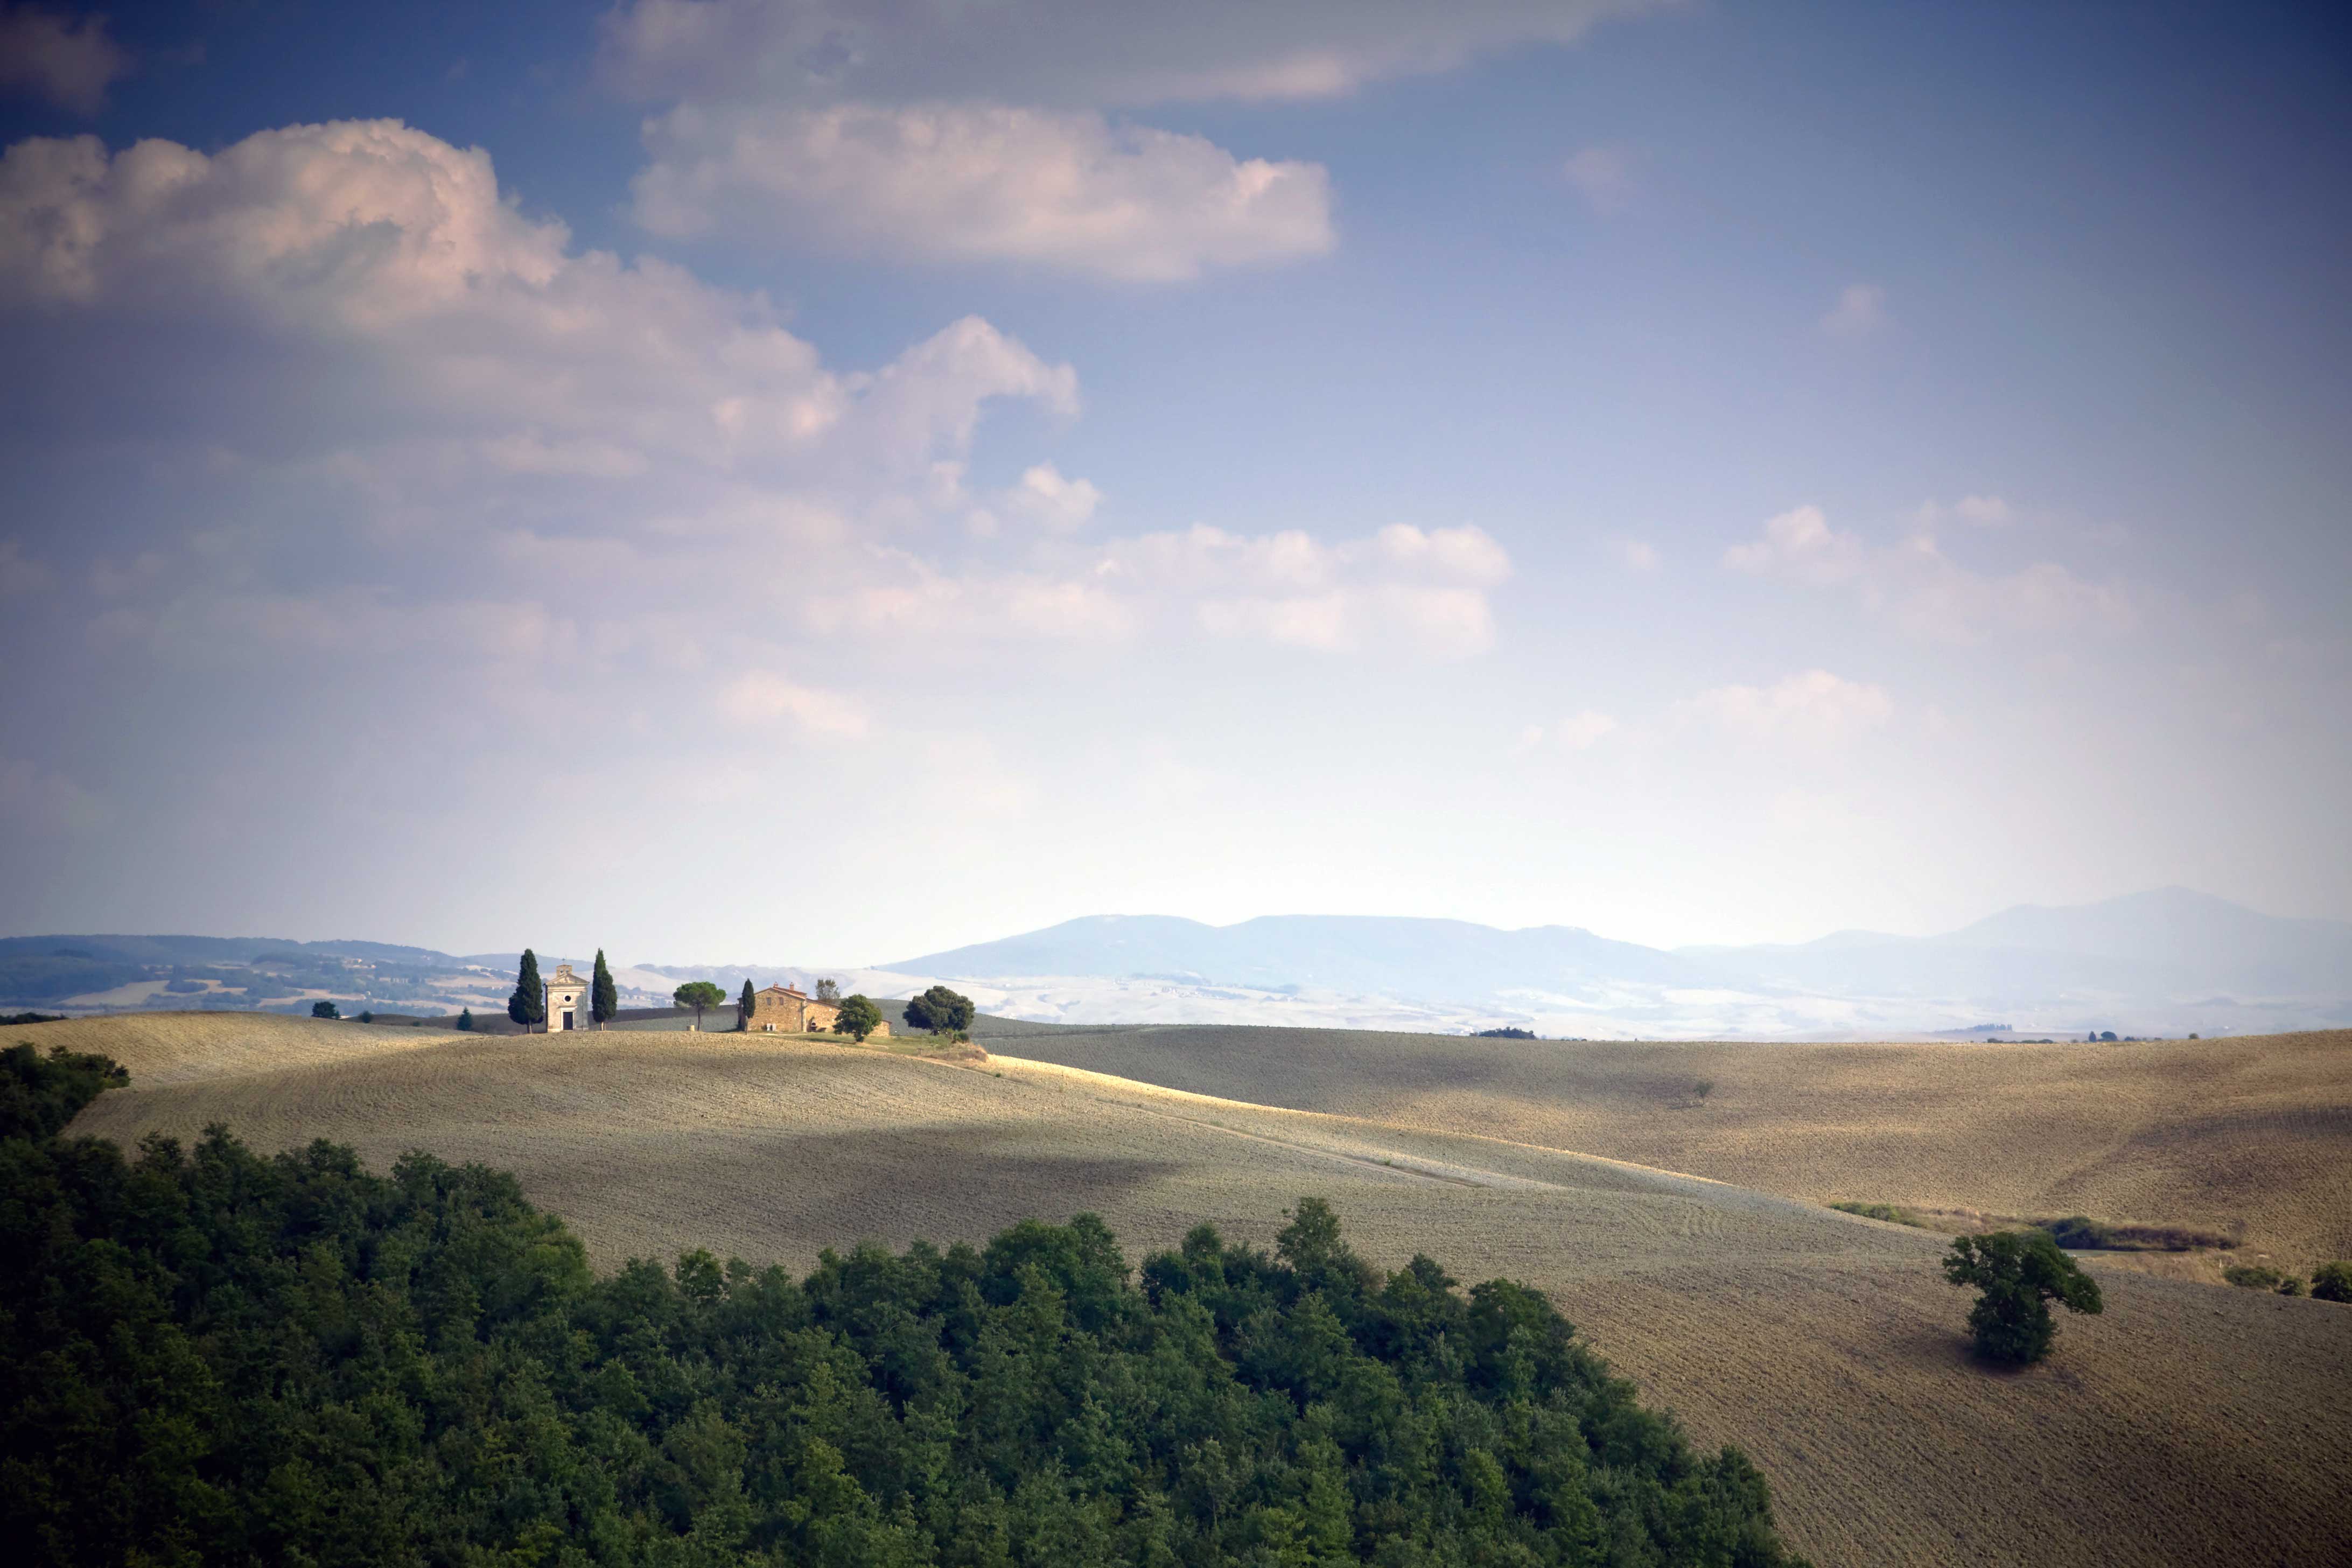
<point>941,1011</point>
<point>210,1356</point>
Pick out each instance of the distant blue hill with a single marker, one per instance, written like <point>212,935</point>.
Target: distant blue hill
<point>1372,954</point>
<point>2167,942</point>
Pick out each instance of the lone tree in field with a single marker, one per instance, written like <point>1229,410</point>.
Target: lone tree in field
<point>859,1016</point>
<point>828,990</point>
<point>466,1019</point>
<point>528,1006</point>
<point>324,1010</point>
<point>745,1005</point>
<point>604,996</point>
<point>697,994</point>
<point>941,1011</point>
<point>2019,1272</point>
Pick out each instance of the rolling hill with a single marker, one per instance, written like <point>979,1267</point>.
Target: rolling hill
<point>2189,1422</point>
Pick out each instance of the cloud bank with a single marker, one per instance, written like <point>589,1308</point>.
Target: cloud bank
<point>978,183</point>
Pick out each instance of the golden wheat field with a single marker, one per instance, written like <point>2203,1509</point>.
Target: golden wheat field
<point>2247,1137</point>
<point>2189,1424</point>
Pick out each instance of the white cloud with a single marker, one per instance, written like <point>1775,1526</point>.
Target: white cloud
<point>1987,511</point>
<point>1602,176</point>
<point>368,279</point>
<point>1401,588</point>
<point>1813,705</point>
<point>962,182</point>
<point>760,697</point>
<point>1579,731</point>
<point>1062,52</point>
<point>1859,311</point>
<point>68,63</point>
<point>1051,501</point>
<point>1926,591</point>
<point>1799,544</point>
<point>1636,554</point>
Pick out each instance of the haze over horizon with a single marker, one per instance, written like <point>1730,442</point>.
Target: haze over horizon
<point>798,477</point>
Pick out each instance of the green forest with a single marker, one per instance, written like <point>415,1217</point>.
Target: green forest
<point>212,1356</point>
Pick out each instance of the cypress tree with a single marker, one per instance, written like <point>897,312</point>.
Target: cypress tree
<point>466,1020</point>
<point>604,996</point>
<point>528,1006</point>
<point>746,1007</point>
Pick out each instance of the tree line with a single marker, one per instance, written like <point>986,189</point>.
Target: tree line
<point>207,1355</point>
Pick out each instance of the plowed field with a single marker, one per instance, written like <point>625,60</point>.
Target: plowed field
<point>2250,1137</point>
<point>2190,1423</point>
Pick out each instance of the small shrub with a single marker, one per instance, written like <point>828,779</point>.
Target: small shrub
<point>2255,1277</point>
<point>2079,1232</point>
<point>1887,1212</point>
<point>2332,1282</point>
<point>2019,1274</point>
<point>367,1015</point>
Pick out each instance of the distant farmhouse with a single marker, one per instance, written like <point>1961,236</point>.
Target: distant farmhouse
<point>787,1010</point>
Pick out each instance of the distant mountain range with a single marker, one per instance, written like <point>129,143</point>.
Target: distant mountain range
<point>2169,961</point>
<point>2168,958</point>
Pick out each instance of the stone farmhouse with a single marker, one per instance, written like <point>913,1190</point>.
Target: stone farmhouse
<point>788,1010</point>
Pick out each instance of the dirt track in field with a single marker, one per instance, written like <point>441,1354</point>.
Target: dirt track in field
<point>2190,1423</point>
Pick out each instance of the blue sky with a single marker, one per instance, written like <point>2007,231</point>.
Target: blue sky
<point>801,483</point>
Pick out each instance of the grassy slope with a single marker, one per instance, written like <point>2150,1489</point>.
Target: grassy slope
<point>2189,1424</point>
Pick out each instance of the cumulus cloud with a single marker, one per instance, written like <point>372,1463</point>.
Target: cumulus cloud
<point>1400,588</point>
<point>758,697</point>
<point>1576,732</point>
<point>1859,311</point>
<point>1426,588</point>
<point>1925,590</point>
<point>1062,52</point>
<point>1603,176</point>
<point>961,134</point>
<point>1814,705</point>
<point>961,182</point>
<point>1635,555</point>
<point>383,265</point>
<point>1051,501</point>
<point>68,63</point>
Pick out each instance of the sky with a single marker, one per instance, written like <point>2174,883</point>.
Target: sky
<point>806,481</point>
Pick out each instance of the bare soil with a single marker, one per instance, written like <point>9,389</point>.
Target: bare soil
<point>2247,1137</point>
